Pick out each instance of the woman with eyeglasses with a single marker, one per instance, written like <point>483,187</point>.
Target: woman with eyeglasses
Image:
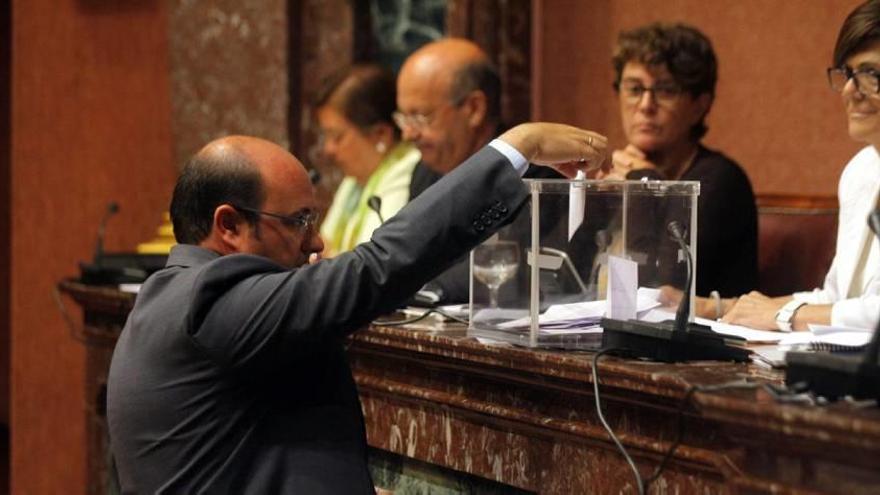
<point>850,295</point>
<point>665,81</point>
<point>359,136</point>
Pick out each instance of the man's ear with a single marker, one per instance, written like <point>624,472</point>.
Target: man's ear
<point>475,105</point>
<point>230,229</point>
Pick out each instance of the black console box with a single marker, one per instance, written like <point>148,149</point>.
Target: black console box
<point>658,341</point>
<point>121,268</point>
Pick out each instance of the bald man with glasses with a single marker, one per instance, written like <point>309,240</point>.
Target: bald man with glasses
<point>449,106</point>
<point>230,375</point>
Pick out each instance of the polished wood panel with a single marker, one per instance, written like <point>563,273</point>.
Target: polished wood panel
<point>5,210</point>
<point>90,124</point>
<point>797,237</point>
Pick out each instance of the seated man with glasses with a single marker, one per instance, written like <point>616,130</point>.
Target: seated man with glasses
<point>449,106</point>
<point>665,81</point>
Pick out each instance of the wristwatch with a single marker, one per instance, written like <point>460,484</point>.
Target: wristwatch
<point>786,314</point>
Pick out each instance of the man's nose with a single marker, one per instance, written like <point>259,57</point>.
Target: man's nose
<point>410,133</point>
<point>315,244</point>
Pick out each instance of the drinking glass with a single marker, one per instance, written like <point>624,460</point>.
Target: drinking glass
<point>494,264</point>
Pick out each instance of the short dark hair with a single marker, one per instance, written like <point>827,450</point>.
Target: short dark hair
<point>480,75</point>
<point>365,94</point>
<point>861,27</point>
<point>684,50</point>
<point>208,181</point>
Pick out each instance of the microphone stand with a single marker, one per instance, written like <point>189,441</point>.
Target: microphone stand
<point>834,375</point>
<point>375,203</point>
<point>677,340</point>
<point>112,209</point>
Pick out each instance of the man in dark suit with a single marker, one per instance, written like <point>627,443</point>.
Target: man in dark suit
<point>449,106</point>
<point>230,375</point>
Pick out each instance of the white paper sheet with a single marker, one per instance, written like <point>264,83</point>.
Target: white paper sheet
<point>623,282</point>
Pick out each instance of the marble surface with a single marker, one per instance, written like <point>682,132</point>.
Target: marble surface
<point>229,71</point>
<point>526,418</point>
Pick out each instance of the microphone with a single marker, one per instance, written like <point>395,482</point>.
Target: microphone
<point>872,351</point>
<point>112,209</point>
<point>833,375</point>
<point>672,341</point>
<point>676,232</point>
<point>110,268</point>
<point>375,204</point>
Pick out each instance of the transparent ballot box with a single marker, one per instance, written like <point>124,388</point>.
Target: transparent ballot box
<point>543,280</point>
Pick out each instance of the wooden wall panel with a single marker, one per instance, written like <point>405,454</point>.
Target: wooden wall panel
<point>5,61</point>
<point>773,113</point>
<point>90,124</point>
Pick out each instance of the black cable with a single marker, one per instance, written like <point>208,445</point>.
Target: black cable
<point>605,425</point>
<point>76,333</point>
<point>451,317</point>
<point>643,485</point>
<point>429,311</point>
<point>407,321</point>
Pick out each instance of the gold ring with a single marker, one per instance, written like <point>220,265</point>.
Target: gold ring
<point>590,142</point>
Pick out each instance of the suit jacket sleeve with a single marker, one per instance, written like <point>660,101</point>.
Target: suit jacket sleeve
<point>250,311</point>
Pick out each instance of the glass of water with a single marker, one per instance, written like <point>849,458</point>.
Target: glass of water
<point>494,264</point>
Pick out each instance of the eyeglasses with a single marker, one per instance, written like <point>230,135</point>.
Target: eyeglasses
<point>415,121</point>
<point>664,94</point>
<point>867,81</point>
<point>418,121</point>
<point>304,219</point>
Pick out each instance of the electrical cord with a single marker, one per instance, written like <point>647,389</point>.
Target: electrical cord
<point>429,311</point>
<point>644,484</point>
<point>605,425</point>
<point>76,333</point>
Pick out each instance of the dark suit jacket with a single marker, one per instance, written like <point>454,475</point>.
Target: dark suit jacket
<point>230,375</point>
<point>453,285</point>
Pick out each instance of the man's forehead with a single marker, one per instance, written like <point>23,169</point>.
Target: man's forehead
<point>422,87</point>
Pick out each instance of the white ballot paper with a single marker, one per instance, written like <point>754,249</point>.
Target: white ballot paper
<point>623,284</point>
<point>576,201</point>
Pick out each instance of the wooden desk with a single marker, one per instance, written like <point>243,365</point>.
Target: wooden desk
<point>527,418</point>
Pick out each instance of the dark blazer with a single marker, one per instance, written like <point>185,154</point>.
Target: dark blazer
<point>453,285</point>
<point>230,375</point>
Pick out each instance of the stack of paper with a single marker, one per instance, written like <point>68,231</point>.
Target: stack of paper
<point>582,317</point>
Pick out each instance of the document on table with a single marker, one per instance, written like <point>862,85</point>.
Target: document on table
<point>751,335</point>
<point>578,317</point>
<point>623,283</point>
<point>820,338</point>
<point>830,338</point>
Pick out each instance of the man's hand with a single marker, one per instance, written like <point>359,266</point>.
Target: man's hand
<point>625,161</point>
<point>562,147</point>
<point>754,310</point>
